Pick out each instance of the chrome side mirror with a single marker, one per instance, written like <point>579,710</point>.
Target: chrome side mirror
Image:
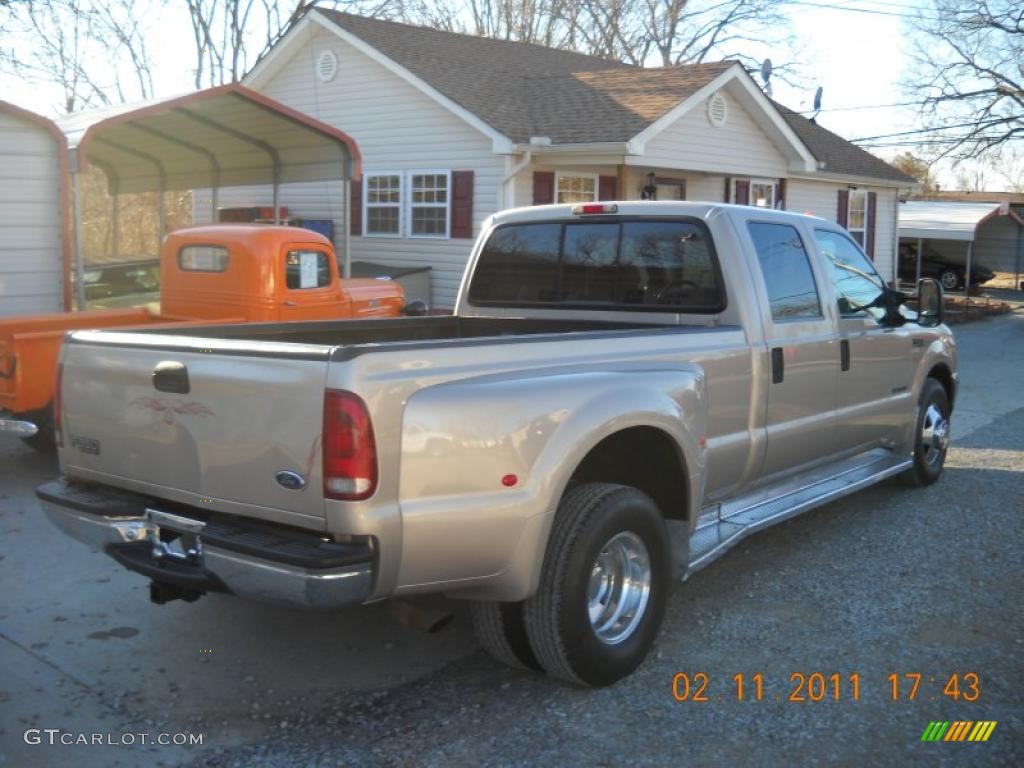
<point>930,303</point>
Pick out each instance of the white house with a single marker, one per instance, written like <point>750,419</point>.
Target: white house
<point>34,216</point>
<point>454,127</point>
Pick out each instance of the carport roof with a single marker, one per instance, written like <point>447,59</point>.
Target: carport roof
<point>934,220</point>
<point>224,136</point>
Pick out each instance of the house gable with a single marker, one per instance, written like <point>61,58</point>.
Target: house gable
<point>740,146</point>
<point>298,37</point>
<point>755,107</point>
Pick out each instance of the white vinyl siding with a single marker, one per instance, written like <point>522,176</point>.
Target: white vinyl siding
<point>738,148</point>
<point>31,273</point>
<point>397,128</point>
<point>820,198</point>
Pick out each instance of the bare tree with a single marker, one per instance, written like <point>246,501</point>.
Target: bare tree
<point>84,47</point>
<point>919,169</point>
<point>969,75</point>
<point>232,35</point>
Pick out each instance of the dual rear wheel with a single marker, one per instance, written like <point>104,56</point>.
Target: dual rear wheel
<point>602,594</point>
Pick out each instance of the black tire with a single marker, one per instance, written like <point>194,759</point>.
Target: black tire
<point>45,440</point>
<point>558,625</point>
<point>929,459</point>
<point>501,630</point>
<point>951,280</point>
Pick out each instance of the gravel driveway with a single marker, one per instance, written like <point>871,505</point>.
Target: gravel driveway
<point>912,582</point>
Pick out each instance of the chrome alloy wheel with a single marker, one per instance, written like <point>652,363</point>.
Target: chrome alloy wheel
<point>620,586</point>
<point>934,435</point>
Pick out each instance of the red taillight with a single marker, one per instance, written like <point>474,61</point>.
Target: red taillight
<point>592,208</point>
<point>350,452</point>
<point>58,432</point>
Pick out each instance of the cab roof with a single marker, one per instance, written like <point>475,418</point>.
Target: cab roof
<point>246,235</point>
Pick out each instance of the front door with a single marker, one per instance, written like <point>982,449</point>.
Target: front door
<point>874,393</point>
<point>802,354</point>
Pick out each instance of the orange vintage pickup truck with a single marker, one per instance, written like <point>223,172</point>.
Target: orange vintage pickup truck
<point>230,273</point>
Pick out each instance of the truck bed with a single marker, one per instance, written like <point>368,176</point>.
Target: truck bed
<point>354,334</point>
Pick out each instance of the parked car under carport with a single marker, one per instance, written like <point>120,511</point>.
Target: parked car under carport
<point>950,274</point>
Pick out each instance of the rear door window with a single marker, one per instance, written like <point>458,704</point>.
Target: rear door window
<point>786,268</point>
<point>306,268</point>
<point>657,265</point>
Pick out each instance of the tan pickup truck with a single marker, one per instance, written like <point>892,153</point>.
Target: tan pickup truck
<point>624,392</point>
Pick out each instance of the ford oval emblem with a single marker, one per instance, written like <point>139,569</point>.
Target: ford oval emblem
<point>293,481</point>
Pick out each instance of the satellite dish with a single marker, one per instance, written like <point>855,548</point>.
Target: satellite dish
<point>817,105</point>
<point>766,70</point>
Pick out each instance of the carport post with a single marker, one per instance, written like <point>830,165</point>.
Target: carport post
<point>115,221</point>
<point>162,209</point>
<point>346,198</point>
<point>967,276</point>
<point>920,255</point>
<point>76,193</point>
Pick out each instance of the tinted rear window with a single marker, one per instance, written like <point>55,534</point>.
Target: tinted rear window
<point>666,265</point>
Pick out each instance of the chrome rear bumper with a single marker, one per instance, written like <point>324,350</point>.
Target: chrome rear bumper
<point>18,427</point>
<point>170,548</point>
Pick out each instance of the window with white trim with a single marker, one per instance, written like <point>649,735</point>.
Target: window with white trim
<point>382,204</point>
<point>429,203</point>
<point>857,216</point>
<point>575,188</point>
<point>760,194</point>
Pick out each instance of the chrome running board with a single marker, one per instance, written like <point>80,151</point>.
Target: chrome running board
<point>721,526</point>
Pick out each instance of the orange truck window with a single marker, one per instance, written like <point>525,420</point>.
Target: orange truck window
<point>203,258</point>
<point>306,268</point>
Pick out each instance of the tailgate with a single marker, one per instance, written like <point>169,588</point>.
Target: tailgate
<point>205,422</point>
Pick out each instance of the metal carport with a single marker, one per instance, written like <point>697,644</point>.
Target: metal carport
<point>955,222</point>
<point>224,136</point>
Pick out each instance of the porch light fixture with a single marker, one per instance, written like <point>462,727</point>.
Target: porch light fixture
<point>650,190</point>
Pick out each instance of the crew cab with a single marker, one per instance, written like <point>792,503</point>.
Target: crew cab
<point>222,273</point>
<point>624,392</point>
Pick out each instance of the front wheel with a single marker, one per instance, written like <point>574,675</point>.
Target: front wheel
<point>931,437</point>
<point>950,280</point>
<point>603,586</point>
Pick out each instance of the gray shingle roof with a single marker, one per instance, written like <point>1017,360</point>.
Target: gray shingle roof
<point>524,90</point>
<point>839,155</point>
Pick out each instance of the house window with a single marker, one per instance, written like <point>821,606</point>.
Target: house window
<point>429,202</point>
<point>383,204</point>
<point>762,194</point>
<point>759,193</point>
<point>857,216</point>
<point>577,188</point>
<point>669,189</point>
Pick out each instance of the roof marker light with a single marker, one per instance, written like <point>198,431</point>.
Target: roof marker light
<point>591,208</point>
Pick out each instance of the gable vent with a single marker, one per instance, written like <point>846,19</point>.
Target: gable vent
<point>327,66</point>
<point>718,110</point>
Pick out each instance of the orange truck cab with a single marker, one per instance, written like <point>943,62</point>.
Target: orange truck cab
<point>230,273</point>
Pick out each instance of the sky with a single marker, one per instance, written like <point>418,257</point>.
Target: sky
<point>853,49</point>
